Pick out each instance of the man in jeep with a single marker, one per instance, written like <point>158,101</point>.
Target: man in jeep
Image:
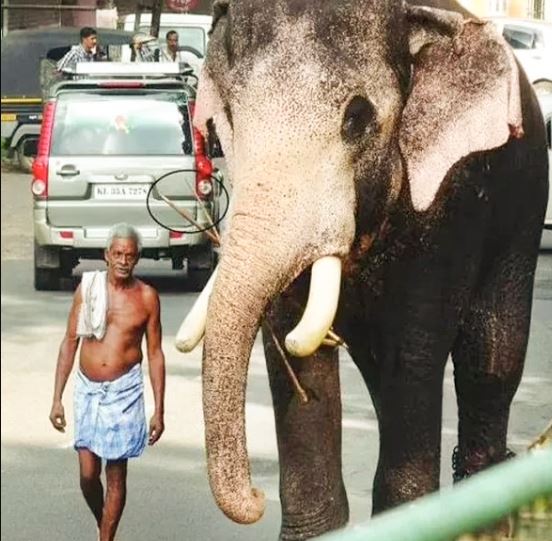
<point>85,52</point>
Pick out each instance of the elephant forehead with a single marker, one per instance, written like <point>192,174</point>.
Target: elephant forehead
<point>305,86</point>
<point>346,24</point>
<point>340,34</point>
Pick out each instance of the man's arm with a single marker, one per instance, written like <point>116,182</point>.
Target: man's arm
<point>156,360</point>
<point>66,358</point>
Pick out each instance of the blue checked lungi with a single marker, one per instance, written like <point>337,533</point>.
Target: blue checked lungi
<point>110,418</point>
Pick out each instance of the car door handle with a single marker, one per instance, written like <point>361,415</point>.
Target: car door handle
<point>68,171</point>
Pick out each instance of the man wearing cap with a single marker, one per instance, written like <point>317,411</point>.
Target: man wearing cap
<point>141,49</point>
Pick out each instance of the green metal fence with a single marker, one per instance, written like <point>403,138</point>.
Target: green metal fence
<point>466,507</point>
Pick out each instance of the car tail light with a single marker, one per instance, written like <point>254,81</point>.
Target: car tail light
<point>39,186</point>
<point>66,234</point>
<point>175,234</point>
<point>204,167</point>
<point>204,187</point>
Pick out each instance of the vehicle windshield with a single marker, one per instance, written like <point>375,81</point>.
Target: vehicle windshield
<point>91,124</point>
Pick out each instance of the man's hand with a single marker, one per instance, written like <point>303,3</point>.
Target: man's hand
<point>157,428</point>
<point>57,416</point>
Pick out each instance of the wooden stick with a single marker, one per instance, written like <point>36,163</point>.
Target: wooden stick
<point>334,337</point>
<point>208,216</point>
<point>300,391</point>
<point>186,215</point>
<point>204,209</point>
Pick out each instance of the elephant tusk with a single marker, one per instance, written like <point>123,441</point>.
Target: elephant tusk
<point>320,310</point>
<point>191,331</point>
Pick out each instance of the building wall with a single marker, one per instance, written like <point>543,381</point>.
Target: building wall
<point>32,18</point>
<point>24,18</point>
<point>509,8</point>
<point>126,7</point>
<point>19,18</point>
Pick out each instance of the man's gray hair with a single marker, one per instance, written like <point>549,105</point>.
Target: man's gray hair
<point>124,231</point>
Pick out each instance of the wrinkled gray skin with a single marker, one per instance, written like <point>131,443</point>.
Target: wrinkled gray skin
<point>323,111</point>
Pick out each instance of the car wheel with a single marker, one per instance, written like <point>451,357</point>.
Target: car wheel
<point>543,87</point>
<point>200,267</point>
<point>25,162</point>
<point>47,268</point>
<point>47,279</point>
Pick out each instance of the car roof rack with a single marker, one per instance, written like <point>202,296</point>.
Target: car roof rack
<point>131,69</point>
<point>87,74</point>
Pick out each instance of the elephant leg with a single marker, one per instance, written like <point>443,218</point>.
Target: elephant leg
<point>409,415</point>
<point>402,352</point>
<point>488,362</point>
<point>312,492</point>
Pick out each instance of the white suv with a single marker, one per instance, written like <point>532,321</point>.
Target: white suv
<point>545,101</point>
<point>106,138</point>
<point>531,41</point>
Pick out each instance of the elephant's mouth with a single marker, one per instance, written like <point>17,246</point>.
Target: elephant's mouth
<point>308,334</point>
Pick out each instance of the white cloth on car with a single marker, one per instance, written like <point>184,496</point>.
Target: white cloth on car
<point>93,313</point>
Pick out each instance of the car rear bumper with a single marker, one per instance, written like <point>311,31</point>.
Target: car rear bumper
<point>153,236</point>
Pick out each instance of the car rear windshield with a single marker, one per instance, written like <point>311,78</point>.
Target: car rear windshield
<point>152,124</point>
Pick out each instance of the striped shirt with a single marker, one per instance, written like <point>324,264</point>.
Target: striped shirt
<point>75,55</point>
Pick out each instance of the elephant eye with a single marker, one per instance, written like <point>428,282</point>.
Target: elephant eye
<point>359,118</point>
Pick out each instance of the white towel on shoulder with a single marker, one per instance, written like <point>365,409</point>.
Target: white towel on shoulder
<point>93,314</point>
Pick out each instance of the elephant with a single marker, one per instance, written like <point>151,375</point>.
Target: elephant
<point>389,175</point>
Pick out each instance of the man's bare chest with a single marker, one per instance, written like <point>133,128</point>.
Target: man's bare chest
<point>126,311</point>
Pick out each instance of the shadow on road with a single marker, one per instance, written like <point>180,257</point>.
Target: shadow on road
<point>168,498</point>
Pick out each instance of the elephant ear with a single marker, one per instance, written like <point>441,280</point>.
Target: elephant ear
<point>464,96</point>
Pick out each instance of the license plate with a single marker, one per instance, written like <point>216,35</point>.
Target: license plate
<point>120,191</point>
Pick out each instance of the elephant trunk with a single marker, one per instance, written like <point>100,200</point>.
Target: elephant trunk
<point>240,294</point>
<point>249,276</point>
<point>275,232</point>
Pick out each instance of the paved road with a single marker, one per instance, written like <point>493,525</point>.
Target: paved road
<point>169,497</point>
